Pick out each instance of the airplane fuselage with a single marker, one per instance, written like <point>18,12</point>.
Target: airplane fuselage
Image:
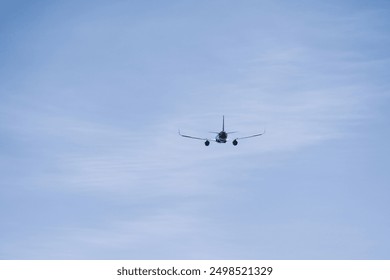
<point>221,137</point>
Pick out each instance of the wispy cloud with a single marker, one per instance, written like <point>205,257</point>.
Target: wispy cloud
<point>96,115</point>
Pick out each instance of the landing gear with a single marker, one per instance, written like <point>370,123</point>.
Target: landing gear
<point>235,142</point>
<point>207,143</point>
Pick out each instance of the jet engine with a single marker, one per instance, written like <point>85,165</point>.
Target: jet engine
<point>207,143</point>
<point>235,142</point>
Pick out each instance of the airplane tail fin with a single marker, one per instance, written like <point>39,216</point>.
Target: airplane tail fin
<point>223,123</point>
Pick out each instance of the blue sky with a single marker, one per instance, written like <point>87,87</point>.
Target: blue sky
<point>92,94</point>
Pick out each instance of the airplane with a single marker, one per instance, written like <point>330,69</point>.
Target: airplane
<point>222,136</point>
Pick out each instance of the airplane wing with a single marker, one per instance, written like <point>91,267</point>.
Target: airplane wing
<point>250,136</point>
<point>192,137</point>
